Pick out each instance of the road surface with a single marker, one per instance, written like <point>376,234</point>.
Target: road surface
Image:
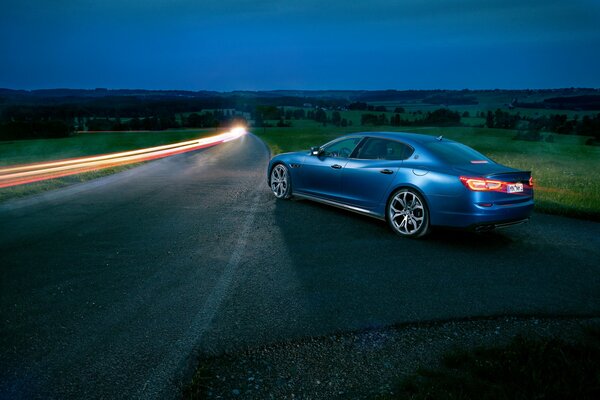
<point>112,287</point>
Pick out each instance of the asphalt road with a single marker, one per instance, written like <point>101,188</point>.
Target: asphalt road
<point>110,288</point>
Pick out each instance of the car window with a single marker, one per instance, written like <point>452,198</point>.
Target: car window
<point>456,154</point>
<point>384,149</point>
<point>342,148</point>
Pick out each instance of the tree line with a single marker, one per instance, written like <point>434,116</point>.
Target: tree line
<point>35,117</point>
<point>440,117</point>
<point>556,123</point>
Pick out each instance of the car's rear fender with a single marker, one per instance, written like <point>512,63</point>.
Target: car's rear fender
<point>437,189</point>
<point>395,188</point>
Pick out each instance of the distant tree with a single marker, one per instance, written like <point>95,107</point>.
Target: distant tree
<point>99,124</point>
<point>283,124</point>
<point>134,124</point>
<point>489,121</point>
<point>193,120</point>
<point>466,114</point>
<point>442,117</point>
<point>505,120</point>
<point>259,122</point>
<point>299,113</point>
<point>357,106</point>
<point>336,118</point>
<point>321,116</point>
<point>399,110</point>
<point>269,112</point>
<point>373,119</point>
<point>368,119</point>
<point>382,119</point>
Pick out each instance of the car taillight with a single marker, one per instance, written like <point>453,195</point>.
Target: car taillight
<point>481,184</point>
<point>531,181</point>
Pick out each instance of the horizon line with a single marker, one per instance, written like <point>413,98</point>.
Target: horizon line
<point>299,90</point>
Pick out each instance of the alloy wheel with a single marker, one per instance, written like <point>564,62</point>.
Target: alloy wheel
<point>279,181</point>
<point>407,214</point>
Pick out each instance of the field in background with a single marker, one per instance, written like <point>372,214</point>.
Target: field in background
<point>83,144</point>
<point>90,143</point>
<point>565,171</point>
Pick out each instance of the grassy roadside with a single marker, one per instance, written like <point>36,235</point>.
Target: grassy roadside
<point>15,192</point>
<point>490,358</point>
<point>566,171</point>
<point>84,144</point>
<point>526,368</point>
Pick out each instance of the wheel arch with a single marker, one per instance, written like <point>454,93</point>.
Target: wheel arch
<point>399,187</point>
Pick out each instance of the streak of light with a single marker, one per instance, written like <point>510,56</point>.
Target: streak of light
<point>20,174</point>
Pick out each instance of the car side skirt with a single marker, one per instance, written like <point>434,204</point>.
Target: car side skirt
<point>357,210</point>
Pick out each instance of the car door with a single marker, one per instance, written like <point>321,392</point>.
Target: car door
<point>321,174</point>
<point>368,175</point>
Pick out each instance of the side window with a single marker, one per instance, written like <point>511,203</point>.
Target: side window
<point>384,149</point>
<point>342,148</point>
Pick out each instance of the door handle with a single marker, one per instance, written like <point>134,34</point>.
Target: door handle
<point>336,166</point>
<point>386,171</point>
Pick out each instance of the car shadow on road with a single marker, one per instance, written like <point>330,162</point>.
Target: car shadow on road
<point>356,273</point>
<point>460,238</point>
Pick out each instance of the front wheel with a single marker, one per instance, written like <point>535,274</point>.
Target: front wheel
<point>407,214</point>
<point>280,182</point>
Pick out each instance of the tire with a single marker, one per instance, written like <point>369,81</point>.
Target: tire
<point>407,214</point>
<point>281,184</point>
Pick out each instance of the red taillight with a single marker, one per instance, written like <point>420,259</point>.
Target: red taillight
<point>531,181</point>
<point>481,184</point>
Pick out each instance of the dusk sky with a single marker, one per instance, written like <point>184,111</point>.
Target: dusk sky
<point>308,44</point>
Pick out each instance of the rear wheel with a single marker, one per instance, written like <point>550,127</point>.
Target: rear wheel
<point>280,182</point>
<point>407,214</point>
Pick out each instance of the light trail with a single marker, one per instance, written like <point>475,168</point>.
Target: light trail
<point>28,173</point>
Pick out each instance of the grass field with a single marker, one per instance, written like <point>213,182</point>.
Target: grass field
<point>84,144</point>
<point>565,171</point>
<point>523,369</point>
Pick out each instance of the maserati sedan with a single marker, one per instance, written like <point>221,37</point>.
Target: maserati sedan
<point>411,181</point>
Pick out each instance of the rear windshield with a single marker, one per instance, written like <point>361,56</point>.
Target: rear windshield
<point>456,153</point>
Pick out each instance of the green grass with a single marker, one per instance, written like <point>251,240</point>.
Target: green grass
<point>566,171</point>
<point>57,183</point>
<point>524,369</point>
<point>84,144</point>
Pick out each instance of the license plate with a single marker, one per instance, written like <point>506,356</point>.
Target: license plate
<point>514,187</point>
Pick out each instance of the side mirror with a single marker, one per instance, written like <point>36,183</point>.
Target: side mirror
<point>315,151</point>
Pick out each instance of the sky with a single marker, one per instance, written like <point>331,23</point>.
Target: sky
<point>229,45</point>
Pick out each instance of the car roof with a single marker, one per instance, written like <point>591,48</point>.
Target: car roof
<point>408,138</point>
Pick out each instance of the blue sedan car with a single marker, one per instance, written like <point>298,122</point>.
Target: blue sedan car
<point>411,181</point>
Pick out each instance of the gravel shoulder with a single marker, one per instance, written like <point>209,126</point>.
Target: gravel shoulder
<point>362,364</point>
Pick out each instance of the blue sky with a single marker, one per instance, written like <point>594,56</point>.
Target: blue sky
<point>309,44</point>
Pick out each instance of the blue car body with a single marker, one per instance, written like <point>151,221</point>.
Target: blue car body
<point>427,166</point>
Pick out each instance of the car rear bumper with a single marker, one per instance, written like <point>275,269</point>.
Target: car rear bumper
<point>483,216</point>
<point>484,227</point>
